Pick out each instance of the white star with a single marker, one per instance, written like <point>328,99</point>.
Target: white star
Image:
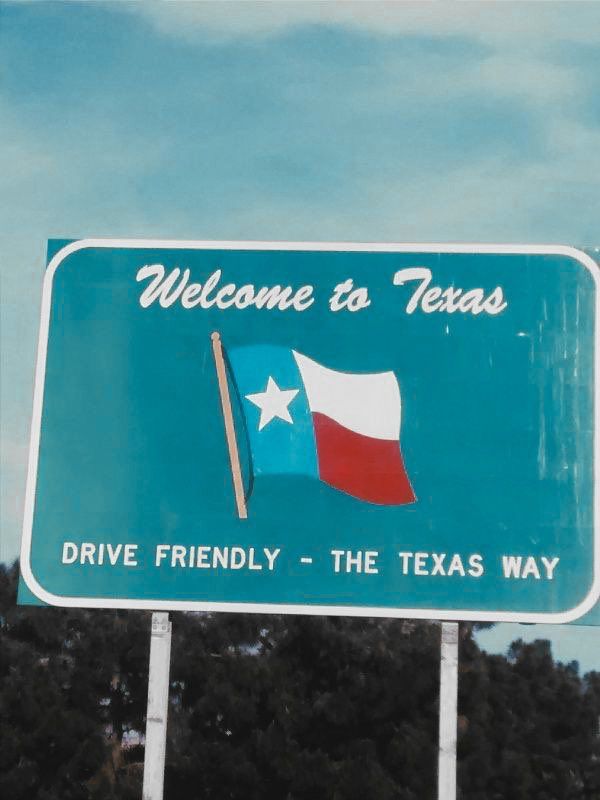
<point>273,402</point>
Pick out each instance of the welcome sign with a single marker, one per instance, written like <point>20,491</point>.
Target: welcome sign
<point>378,430</point>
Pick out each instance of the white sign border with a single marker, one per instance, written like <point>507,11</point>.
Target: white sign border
<point>278,608</point>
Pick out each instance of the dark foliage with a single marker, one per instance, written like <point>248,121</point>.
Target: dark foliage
<point>294,708</point>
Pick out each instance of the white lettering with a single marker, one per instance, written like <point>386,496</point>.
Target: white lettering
<point>303,298</point>
<point>208,557</point>
<point>475,565</point>
<point>174,286</point>
<point>87,551</point>
<point>405,558</point>
<point>158,289</point>
<point>495,303</point>
<point>114,553</point>
<point>336,302</point>
<point>220,557</point>
<point>337,558</point>
<point>437,564</point>
<point>413,274</point>
<point>431,301</point>
<point>355,561</point>
<point>189,295</point>
<point>226,292</point>
<point>244,296</point>
<point>251,563</point>
<point>471,301</point>
<point>276,297</point>
<point>438,560</point>
<point>456,565</point>
<point>94,554</point>
<point>550,564</point>
<point>370,557</point>
<point>210,284</point>
<point>450,300</point>
<point>511,566</point>
<point>69,553</point>
<point>271,556</point>
<point>531,568</point>
<point>526,567</point>
<point>129,559</point>
<point>238,558</point>
<point>178,555</point>
<point>420,568</point>
<point>356,299</point>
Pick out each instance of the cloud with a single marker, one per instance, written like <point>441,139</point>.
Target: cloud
<point>520,44</point>
<point>506,23</point>
<point>520,75</point>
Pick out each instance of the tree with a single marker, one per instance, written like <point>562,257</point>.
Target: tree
<point>283,708</point>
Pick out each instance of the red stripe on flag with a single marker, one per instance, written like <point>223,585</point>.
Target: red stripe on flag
<point>370,469</point>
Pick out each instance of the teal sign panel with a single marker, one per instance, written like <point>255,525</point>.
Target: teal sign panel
<point>361,429</point>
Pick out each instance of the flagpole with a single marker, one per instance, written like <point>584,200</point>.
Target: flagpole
<point>234,456</point>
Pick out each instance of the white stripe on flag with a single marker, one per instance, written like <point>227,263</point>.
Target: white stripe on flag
<point>368,404</point>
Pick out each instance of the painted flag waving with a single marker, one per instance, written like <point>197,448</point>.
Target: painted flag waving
<point>302,417</point>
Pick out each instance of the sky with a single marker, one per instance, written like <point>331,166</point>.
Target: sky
<point>301,121</point>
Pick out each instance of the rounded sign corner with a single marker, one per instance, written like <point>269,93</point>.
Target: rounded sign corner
<point>590,600</point>
<point>583,259</point>
<point>34,585</point>
<point>61,255</point>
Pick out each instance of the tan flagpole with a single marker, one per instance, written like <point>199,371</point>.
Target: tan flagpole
<point>234,456</point>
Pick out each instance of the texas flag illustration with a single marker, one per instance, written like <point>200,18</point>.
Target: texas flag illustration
<point>302,417</point>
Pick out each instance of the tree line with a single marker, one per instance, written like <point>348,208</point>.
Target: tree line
<point>282,708</point>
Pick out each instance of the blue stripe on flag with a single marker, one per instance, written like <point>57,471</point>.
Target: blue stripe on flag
<point>280,447</point>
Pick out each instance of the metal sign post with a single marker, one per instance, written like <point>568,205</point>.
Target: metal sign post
<point>448,711</point>
<point>158,706</point>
